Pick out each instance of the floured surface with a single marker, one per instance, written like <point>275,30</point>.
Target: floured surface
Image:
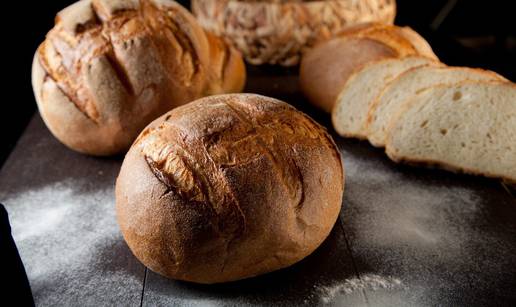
<point>61,210</point>
<point>448,238</point>
<point>416,237</point>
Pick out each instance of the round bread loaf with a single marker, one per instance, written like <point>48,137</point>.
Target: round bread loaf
<point>279,31</point>
<point>109,67</point>
<point>228,187</point>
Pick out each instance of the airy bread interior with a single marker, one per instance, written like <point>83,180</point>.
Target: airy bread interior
<point>350,111</point>
<point>409,84</point>
<point>469,127</point>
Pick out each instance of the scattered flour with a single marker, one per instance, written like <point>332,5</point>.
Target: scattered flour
<point>389,210</point>
<point>366,282</point>
<point>70,243</point>
<point>433,232</point>
<point>55,226</point>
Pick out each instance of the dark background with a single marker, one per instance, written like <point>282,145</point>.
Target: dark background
<point>462,32</point>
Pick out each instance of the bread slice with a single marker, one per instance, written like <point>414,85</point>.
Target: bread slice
<point>326,68</point>
<point>407,85</point>
<point>468,127</point>
<point>350,111</point>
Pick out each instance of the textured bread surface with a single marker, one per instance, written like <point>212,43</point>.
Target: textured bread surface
<point>326,68</point>
<point>468,127</point>
<point>407,85</point>
<point>404,39</point>
<point>227,67</point>
<point>420,44</point>
<point>279,31</point>
<point>228,187</point>
<point>358,94</point>
<point>109,67</point>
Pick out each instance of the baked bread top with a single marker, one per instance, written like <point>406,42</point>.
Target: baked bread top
<point>144,43</point>
<point>109,67</point>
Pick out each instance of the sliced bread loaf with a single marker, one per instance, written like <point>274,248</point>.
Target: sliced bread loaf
<point>326,68</point>
<point>407,85</point>
<point>350,111</point>
<point>468,127</point>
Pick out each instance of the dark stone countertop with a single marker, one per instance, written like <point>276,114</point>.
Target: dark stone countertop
<point>406,236</point>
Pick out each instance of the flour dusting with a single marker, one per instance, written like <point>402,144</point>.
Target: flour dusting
<point>70,243</point>
<point>409,217</point>
<point>366,282</point>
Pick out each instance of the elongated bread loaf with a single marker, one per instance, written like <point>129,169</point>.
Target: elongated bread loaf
<point>358,94</point>
<point>229,187</point>
<point>407,85</point>
<point>468,127</point>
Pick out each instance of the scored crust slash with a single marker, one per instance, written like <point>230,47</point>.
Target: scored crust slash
<point>110,67</point>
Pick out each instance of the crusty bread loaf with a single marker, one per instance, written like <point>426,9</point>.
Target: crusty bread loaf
<point>279,31</point>
<point>228,187</point>
<point>109,67</point>
<point>227,67</point>
<point>468,127</point>
<point>349,113</point>
<point>408,84</point>
<point>326,68</point>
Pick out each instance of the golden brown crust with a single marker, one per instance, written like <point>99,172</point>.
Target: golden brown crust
<point>121,64</point>
<point>389,37</point>
<point>422,46</point>
<point>227,67</point>
<point>228,187</point>
<point>404,39</point>
<point>326,68</point>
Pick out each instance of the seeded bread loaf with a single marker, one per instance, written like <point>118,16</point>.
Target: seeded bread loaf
<point>228,187</point>
<point>407,85</point>
<point>468,127</point>
<point>109,67</point>
<point>279,31</point>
